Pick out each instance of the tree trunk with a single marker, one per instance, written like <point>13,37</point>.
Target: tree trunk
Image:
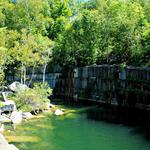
<point>31,77</point>
<point>21,78</point>
<point>24,75</point>
<point>44,71</point>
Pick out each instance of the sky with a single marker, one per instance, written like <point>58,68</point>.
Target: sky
<point>82,0</point>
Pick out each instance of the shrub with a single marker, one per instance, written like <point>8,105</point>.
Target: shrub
<point>1,104</point>
<point>34,98</point>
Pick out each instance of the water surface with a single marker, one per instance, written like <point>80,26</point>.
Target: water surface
<point>74,132</point>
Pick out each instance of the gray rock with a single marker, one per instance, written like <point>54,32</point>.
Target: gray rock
<point>4,144</point>
<point>49,105</point>
<point>16,117</point>
<point>58,112</point>
<point>12,147</point>
<point>27,115</point>
<point>8,105</point>
<point>4,119</point>
<point>1,127</point>
<point>17,86</point>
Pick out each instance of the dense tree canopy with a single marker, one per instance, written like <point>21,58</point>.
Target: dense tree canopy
<point>29,14</point>
<point>72,33</point>
<point>110,31</point>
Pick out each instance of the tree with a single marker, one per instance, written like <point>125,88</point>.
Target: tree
<point>72,33</point>
<point>2,16</point>
<point>45,46</point>
<point>23,51</point>
<point>78,45</point>
<point>60,14</point>
<point>34,16</point>
<point>121,28</point>
<point>3,54</point>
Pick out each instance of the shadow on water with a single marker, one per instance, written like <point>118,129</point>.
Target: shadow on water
<point>139,120</point>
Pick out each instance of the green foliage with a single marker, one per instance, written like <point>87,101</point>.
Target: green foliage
<point>29,14</point>
<point>72,33</point>
<point>122,26</point>
<point>2,16</point>
<point>33,98</point>
<point>1,104</point>
<point>60,15</point>
<point>79,43</point>
<point>43,89</point>
<point>44,49</point>
<point>3,54</point>
<point>106,32</point>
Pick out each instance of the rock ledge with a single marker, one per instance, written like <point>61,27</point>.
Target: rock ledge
<point>4,144</point>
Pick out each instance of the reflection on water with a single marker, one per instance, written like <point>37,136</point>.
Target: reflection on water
<point>74,132</point>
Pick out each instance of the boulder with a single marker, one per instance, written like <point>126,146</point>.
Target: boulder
<point>16,117</point>
<point>4,144</point>
<point>49,105</point>
<point>8,105</point>
<point>12,147</point>
<point>17,86</point>
<point>27,115</point>
<point>58,112</point>
<point>4,119</point>
<point>1,127</point>
<point>5,104</point>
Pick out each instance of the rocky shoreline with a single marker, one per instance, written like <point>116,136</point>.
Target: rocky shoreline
<point>16,118</point>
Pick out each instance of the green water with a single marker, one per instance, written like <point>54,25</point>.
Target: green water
<point>74,132</point>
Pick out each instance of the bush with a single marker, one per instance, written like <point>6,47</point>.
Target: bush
<point>1,104</point>
<point>34,98</point>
